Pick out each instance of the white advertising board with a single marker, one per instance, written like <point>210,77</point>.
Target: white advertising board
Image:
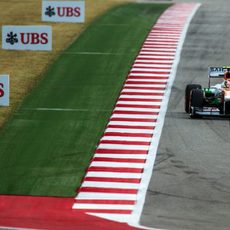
<point>27,38</point>
<point>4,90</point>
<point>63,11</point>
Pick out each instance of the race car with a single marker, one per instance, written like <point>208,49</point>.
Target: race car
<point>212,100</point>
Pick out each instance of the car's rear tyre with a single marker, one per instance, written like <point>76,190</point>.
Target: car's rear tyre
<point>227,108</point>
<point>188,90</point>
<point>197,100</point>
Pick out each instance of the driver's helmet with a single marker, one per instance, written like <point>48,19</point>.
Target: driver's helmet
<point>227,74</point>
<point>227,77</point>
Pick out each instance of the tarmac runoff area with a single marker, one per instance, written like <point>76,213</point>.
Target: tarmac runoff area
<point>190,185</point>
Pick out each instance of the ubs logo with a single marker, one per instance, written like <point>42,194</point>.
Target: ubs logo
<point>63,11</point>
<point>27,38</point>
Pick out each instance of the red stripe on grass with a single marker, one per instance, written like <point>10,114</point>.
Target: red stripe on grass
<point>108,190</point>
<point>121,151</point>
<point>109,159</point>
<point>119,180</point>
<point>115,142</point>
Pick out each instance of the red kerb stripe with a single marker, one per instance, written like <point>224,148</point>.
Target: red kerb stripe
<point>133,119</point>
<point>138,106</point>
<point>108,190</point>
<point>106,211</point>
<point>115,142</point>
<point>117,134</point>
<point>121,151</point>
<point>120,180</point>
<point>109,159</point>
<point>92,201</point>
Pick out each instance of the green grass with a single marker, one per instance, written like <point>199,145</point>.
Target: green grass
<point>47,152</point>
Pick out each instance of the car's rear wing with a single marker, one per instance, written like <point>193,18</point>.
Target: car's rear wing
<point>216,72</point>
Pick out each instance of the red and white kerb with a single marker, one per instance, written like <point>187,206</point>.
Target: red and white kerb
<point>117,178</point>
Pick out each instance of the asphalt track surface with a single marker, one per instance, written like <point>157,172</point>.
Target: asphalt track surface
<point>190,185</point>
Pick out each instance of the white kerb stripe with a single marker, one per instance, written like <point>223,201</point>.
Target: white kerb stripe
<point>134,116</point>
<point>139,102</point>
<point>132,123</point>
<point>123,147</point>
<point>142,90</point>
<point>149,74</point>
<point>103,206</point>
<point>110,185</point>
<point>146,86</point>
<point>152,61</point>
<point>115,138</point>
<point>152,65</point>
<point>141,96</point>
<point>106,196</point>
<point>142,52</point>
<point>146,131</point>
<point>136,109</point>
<point>123,156</point>
<point>117,165</point>
<point>147,80</point>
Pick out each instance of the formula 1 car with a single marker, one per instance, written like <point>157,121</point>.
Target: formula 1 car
<point>212,100</point>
